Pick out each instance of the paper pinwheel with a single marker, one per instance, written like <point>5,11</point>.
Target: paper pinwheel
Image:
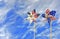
<point>32,16</point>
<point>50,16</point>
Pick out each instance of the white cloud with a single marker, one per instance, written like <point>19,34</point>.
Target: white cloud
<point>4,34</point>
<point>58,20</point>
<point>3,13</point>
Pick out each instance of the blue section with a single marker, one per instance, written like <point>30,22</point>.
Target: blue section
<point>30,35</point>
<point>49,20</point>
<point>2,4</point>
<point>39,30</point>
<point>43,15</point>
<point>11,12</point>
<point>10,15</point>
<point>53,13</point>
<point>42,37</point>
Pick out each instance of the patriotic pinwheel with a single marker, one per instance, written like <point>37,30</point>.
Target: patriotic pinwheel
<point>50,16</point>
<point>32,16</point>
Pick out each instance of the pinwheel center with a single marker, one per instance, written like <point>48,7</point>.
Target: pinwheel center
<point>31,16</point>
<point>46,15</point>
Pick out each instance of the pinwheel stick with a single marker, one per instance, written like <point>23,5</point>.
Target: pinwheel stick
<point>51,30</point>
<point>34,30</point>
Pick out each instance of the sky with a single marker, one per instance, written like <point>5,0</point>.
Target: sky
<point>14,26</point>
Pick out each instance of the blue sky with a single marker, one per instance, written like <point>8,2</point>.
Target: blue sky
<point>14,26</point>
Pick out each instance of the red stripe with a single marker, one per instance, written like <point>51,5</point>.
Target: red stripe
<point>47,11</point>
<point>52,18</point>
<point>33,12</point>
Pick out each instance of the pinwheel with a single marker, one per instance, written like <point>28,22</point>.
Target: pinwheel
<point>32,16</point>
<point>50,16</point>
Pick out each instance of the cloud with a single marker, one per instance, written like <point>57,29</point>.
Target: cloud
<point>58,21</point>
<point>4,34</point>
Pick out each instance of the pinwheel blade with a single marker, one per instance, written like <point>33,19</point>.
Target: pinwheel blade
<point>49,20</point>
<point>43,15</point>
<point>48,11</point>
<point>28,13</point>
<point>53,13</point>
<point>34,11</point>
<point>38,14</point>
